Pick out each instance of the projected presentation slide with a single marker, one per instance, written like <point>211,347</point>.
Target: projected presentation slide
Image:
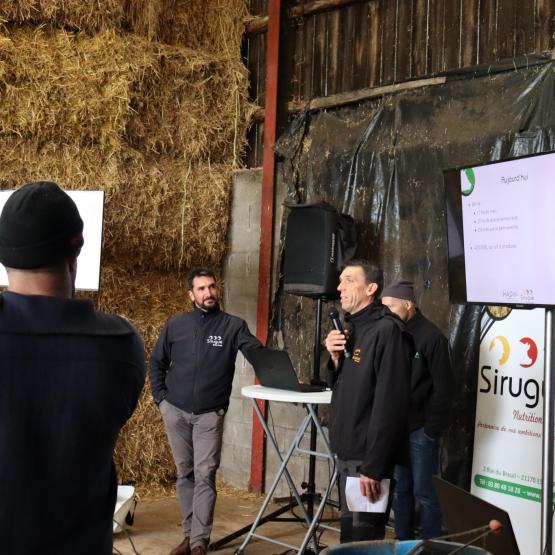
<point>508,228</point>
<point>91,208</point>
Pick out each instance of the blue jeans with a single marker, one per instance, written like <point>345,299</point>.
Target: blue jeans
<point>415,483</point>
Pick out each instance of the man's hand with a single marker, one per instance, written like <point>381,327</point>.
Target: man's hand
<point>335,345</point>
<point>370,488</point>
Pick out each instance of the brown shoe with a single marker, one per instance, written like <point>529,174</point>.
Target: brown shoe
<point>182,549</point>
<point>198,550</point>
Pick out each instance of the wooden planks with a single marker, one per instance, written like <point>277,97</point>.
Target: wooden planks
<point>340,46</point>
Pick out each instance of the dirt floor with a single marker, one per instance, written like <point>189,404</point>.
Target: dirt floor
<point>156,529</point>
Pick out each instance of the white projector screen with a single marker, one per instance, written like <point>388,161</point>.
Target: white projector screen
<point>500,232</point>
<point>91,208</point>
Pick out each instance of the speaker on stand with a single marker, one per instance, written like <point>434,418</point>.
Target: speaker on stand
<point>318,242</point>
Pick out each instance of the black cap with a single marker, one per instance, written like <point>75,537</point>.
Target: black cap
<point>401,290</point>
<point>39,226</point>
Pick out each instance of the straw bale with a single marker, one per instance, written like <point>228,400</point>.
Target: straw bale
<point>187,104</point>
<point>64,87</point>
<point>163,214</point>
<point>148,300</point>
<point>83,15</point>
<point>70,166</point>
<point>178,213</point>
<point>212,26</point>
<point>108,90</point>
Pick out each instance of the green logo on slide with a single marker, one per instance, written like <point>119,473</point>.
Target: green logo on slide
<point>470,177</point>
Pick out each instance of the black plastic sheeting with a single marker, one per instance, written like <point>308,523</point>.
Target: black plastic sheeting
<point>381,162</point>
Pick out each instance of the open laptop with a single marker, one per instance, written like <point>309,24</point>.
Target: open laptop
<point>463,511</point>
<point>274,369</point>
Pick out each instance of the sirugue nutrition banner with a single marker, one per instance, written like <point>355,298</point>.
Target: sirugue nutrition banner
<point>506,469</point>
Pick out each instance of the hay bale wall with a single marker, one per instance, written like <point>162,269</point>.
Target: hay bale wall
<point>212,26</point>
<point>150,106</point>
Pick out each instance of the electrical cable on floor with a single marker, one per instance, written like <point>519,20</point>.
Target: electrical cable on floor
<point>128,536</point>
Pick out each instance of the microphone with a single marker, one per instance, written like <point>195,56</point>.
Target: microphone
<point>494,527</point>
<point>336,323</point>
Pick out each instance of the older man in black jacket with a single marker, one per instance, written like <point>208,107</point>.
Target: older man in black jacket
<point>191,374</point>
<point>432,389</point>
<point>370,395</point>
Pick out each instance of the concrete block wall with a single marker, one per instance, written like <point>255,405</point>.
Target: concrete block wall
<point>240,293</point>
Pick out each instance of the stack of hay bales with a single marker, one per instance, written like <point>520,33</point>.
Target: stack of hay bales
<point>145,99</point>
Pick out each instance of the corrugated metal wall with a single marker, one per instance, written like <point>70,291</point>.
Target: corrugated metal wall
<point>379,42</point>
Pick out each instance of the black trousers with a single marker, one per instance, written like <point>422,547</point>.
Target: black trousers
<point>360,526</point>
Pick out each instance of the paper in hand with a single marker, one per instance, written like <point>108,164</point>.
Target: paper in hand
<point>360,504</point>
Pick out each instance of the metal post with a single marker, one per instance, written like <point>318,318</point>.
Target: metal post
<point>547,449</point>
<point>256,482</point>
<point>311,488</point>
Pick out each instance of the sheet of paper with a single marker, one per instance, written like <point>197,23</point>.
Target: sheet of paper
<point>360,504</point>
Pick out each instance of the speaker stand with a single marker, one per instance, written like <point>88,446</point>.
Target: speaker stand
<point>309,497</point>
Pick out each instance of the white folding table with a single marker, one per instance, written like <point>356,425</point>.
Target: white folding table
<point>309,401</point>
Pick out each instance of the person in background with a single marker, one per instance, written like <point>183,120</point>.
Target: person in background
<point>431,394</point>
<point>370,397</point>
<point>70,377</point>
<point>191,374</point>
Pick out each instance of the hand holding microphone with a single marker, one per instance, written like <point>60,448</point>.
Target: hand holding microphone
<point>336,341</point>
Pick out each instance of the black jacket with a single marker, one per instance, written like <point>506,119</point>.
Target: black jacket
<point>371,392</point>
<point>432,379</point>
<point>193,361</point>
<point>70,377</point>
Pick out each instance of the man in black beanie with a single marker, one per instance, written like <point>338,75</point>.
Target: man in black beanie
<point>70,377</point>
<point>431,392</point>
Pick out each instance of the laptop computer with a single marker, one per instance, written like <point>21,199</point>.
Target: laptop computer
<point>274,369</point>
<point>463,511</point>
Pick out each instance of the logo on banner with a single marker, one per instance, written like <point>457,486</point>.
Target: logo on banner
<point>532,351</point>
<point>495,382</point>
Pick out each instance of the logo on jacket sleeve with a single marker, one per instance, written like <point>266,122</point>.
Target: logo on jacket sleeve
<point>357,355</point>
<point>215,341</point>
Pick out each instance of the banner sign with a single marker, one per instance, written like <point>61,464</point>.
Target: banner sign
<point>507,468</point>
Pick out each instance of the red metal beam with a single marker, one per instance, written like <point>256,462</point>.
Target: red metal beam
<point>266,225</point>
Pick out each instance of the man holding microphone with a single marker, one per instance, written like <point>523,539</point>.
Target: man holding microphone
<point>370,401</point>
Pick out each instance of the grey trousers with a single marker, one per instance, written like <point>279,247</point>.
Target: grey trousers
<point>196,444</point>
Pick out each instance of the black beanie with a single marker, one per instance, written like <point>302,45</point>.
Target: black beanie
<point>39,226</point>
<point>400,290</point>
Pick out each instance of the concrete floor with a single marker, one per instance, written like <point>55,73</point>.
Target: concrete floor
<point>156,529</point>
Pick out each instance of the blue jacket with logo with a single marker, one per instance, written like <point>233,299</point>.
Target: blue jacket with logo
<point>193,361</point>
<point>371,392</point>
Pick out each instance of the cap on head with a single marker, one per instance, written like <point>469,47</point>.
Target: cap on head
<point>401,290</point>
<point>39,226</point>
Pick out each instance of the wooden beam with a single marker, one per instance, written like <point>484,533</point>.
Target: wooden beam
<point>254,25</point>
<point>320,6</point>
<point>341,99</point>
<point>258,461</point>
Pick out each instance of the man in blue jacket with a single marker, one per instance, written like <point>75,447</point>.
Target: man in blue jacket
<point>191,375</point>
<point>370,398</point>
<point>70,378</point>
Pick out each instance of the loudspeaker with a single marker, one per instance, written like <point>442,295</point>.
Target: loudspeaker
<point>318,241</point>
